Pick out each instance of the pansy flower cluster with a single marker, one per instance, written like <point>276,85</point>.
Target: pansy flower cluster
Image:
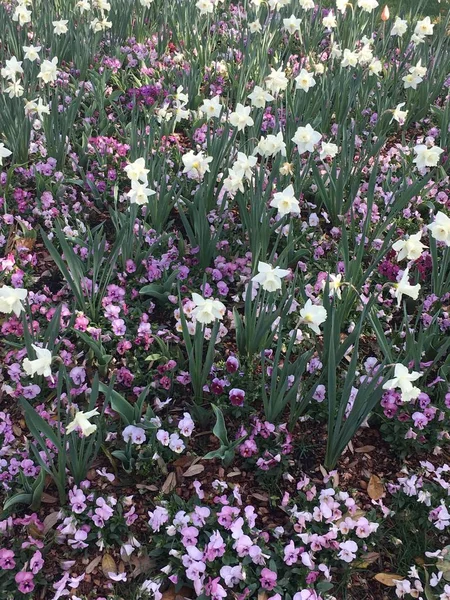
<point>217,546</point>
<point>21,554</point>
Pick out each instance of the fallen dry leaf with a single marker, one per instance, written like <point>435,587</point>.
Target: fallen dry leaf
<point>150,488</point>
<point>388,578</point>
<point>108,565</point>
<point>171,594</point>
<point>170,484</point>
<point>47,499</point>
<point>234,473</point>
<point>261,497</point>
<point>366,560</point>
<point>142,564</point>
<point>93,564</point>
<point>50,521</point>
<point>194,470</point>
<point>375,489</point>
<point>363,449</point>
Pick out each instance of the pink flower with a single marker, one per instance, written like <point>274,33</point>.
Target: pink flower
<point>243,545</point>
<point>7,559</point>
<point>157,518</point>
<point>36,562</point>
<point>268,579</point>
<point>348,550</point>
<point>24,582</point>
<point>237,397</point>
<point>231,575</point>
<point>291,554</point>
<point>307,595</point>
<point>190,535</point>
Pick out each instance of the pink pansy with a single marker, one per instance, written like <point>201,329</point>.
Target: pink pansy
<point>231,575</point>
<point>157,518</point>
<point>190,535</point>
<point>268,579</point>
<point>242,546</point>
<point>199,516</point>
<point>291,554</point>
<point>36,562</point>
<point>24,582</point>
<point>7,559</point>
<point>348,551</point>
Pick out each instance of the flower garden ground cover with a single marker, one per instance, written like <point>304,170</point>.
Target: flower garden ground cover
<point>224,300</point>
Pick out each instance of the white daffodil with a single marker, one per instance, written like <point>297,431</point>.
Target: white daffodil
<point>375,67</point>
<point>255,26</point>
<point>404,288</point>
<point>81,422</point>
<point>4,152</point>
<point>313,315</point>
<point>410,248</point>
<point>244,165</point>
<point>286,202</point>
<point>440,228</point>
<point>139,193</point>
<point>328,150</point>
<point>367,5</point>
<point>259,97</point>
<point>41,365</point>
<point>12,68</point>
<point>205,6</point>
<point>269,277</point>
<point>424,27</point>
<point>292,25</point>
<point>60,27</point>
<point>211,107</point>
<point>277,81</point>
<point>330,21</point>
<point>304,81</point>
<point>403,380</point>
<point>271,145</point>
<point>196,165</point>
<point>22,14</point>
<point>207,310</point>
<point>14,89</point>
<point>307,4</point>
<point>31,53</point>
<point>48,72</point>
<point>11,300</point>
<point>418,70</point>
<point>136,170</point>
<point>334,284</point>
<point>427,157</point>
<point>400,27</point>
<point>241,118</point>
<point>305,138</point>
<point>349,58</point>
<point>83,6</point>
<point>411,81</point>
<point>398,114</point>
<point>234,182</point>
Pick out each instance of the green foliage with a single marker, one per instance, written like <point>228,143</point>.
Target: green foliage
<point>227,449</point>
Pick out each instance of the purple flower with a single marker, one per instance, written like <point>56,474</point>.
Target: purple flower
<point>36,562</point>
<point>135,434</point>
<point>268,579</point>
<point>232,364</point>
<point>24,580</point>
<point>237,397</point>
<point>7,559</point>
